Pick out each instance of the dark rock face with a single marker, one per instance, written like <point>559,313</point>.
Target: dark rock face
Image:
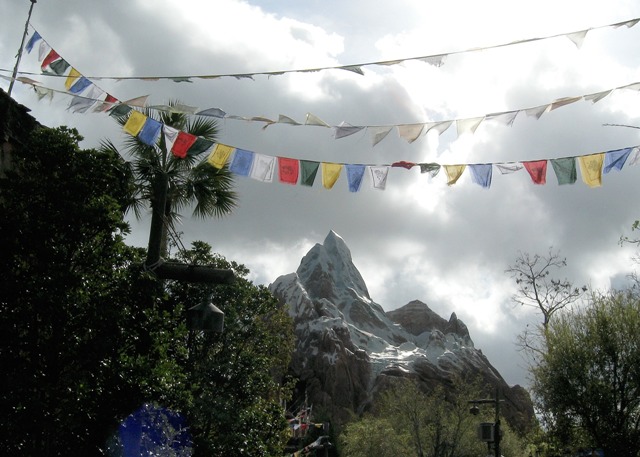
<point>348,349</point>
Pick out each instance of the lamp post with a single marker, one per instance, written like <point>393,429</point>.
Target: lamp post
<point>475,410</point>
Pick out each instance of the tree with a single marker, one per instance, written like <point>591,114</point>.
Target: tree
<point>236,377</point>
<point>588,383</point>
<point>188,180</point>
<point>88,337</point>
<point>538,290</point>
<point>70,294</point>
<point>374,436</point>
<point>437,424</point>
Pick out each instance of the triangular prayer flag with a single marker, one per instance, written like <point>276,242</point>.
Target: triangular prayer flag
<point>170,135</point>
<point>615,159</point>
<point>201,145</point>
<point>43,50</point>
<point>379,133</point>
<point>565,169</point>
<point>577,37</point>
<point>563,101</point>
<point>410,132</point>
<point>468,125</point>
<point>219,155</point>
<point>241,162</point>
<point>436,61</point>
<point>80,85</point>
<point>330,174</point>
<point>453,173</point>
<point>138,101</point>
<point>134,123</point>
<point>508,168</point>
<point>432,168</point>
<point>282,119</point>
<point>150,132</point>
<point>212,112</point>
<point>538,111</point>
<point>312,119</point>
<point>106,104</point>
<point>32,41</point>
<point>263,168</point>
<point>634,157</point>
<point>505,118</point>
<point>537,170</point>
<point>182,144</point>
<point>308,171</point>
<point>597,96</point>
<point>343,130</point>
<point>81,104</point>
<point>439,127</point>
<point>591,169</point>
<point>481,174</point>
<point>379,176</point>
<point>288,170</point>
<point>355,174</point>
<point>72,77</point>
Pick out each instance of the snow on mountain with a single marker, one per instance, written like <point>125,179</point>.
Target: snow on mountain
<point>348,346</point>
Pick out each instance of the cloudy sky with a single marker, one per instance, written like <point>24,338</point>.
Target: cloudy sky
<point>421,239</point>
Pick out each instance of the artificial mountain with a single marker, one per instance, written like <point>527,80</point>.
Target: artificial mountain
<point>349,349</point>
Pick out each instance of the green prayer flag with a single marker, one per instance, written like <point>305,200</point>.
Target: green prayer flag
<point>120,110</point>
<point>565,170</point>
<point>308,171</point>
<point>201,145</point>
<point>59,66</point>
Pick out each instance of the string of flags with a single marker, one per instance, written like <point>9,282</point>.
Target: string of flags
<point>576,37</point>
<point>295,171</point>
<point>87,97</point>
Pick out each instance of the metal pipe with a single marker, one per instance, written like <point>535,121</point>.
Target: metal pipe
<point>19,56</point>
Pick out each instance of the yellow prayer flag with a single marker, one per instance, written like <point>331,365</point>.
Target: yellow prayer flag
<point>330,174</point>
<point>453,173</point>
<point>591,169</point>
<point>220,154</point>
<point>71,78</point>
<point>134,123</point>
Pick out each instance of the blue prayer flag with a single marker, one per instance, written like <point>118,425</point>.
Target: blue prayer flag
<point>241,163</point>
<point>355,174</point>
<point>615,159</point>
<point>150,131</point>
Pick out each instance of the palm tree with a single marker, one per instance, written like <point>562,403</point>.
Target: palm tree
<point>187,181</point>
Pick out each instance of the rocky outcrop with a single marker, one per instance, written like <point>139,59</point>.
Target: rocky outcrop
<point>349,349</point>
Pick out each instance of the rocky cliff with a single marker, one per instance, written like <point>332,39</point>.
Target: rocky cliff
<point>349,349</point>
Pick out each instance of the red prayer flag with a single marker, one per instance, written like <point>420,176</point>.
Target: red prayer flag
<point>403,164</point>
<point>182,144</point>
<point>108,103</point>
<point>51,57</point>
<point>537,170</point>
<point>288,170</point>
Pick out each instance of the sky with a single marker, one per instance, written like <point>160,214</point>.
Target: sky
<point>446,245</point>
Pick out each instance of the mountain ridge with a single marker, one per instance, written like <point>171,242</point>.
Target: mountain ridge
<point>348,348</point>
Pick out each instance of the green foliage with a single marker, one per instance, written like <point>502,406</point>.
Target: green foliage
<point>192,181</point>
<point>237,376</point>
<point>588,383</point>
<point>88,336</point>
<point>374,436</point>
<point>437,424</point>
<point>67,296</point>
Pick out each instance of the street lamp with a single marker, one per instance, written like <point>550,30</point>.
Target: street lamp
<point>489,432</point>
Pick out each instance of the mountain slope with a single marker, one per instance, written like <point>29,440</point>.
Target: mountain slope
<point>348,348</point>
